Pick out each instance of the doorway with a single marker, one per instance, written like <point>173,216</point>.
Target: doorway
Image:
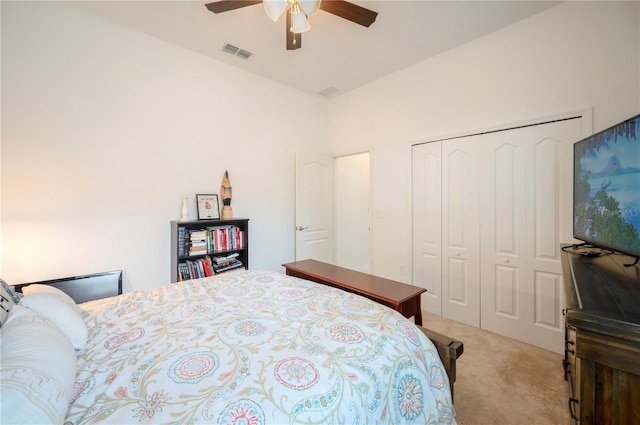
<point>352,211</point>
<point>333,214</point>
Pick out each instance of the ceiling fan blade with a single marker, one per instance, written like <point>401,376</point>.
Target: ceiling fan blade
<point>227,5</point>
<point>294,40</point>
<point>349,11</point>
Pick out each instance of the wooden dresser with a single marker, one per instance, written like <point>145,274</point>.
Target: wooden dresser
<point>602,344</point>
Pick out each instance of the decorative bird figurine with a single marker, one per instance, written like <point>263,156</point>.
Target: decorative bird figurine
<point>225,194</point>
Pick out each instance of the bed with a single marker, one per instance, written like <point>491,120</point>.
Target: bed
<point>251,347</point>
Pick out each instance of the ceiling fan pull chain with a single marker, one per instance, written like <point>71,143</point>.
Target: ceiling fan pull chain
<point>291,27</point>
<point>293,11</point>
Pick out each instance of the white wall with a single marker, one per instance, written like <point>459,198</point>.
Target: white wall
<point>95,117</point>
<point>105,130</point>
<point>574,56</point>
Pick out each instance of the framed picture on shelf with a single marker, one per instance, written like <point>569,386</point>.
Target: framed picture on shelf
<point>208,208</point>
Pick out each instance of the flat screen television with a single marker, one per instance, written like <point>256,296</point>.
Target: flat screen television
<point>606,188</point>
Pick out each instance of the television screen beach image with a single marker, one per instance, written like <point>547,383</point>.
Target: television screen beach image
<point>607,188</point>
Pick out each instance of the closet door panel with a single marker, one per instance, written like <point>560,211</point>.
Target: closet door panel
<point>506,294</point>
<point>546,191</point>
<point>549,206</point>
<point>547,288</point>
<point>460,231</point>
<point>427,222</point>
<point>502,217</point>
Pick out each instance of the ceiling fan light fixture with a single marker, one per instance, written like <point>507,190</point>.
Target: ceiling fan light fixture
<point>309,7</point>
<point>299,23</point>
<point>297,13</point>
<point>274,8</point>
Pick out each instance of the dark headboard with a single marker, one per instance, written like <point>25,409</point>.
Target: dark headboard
<point>87,287</point>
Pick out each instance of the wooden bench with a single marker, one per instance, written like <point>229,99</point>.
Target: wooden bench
<point>399,296</point>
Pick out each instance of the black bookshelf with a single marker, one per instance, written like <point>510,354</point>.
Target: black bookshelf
<point>180,242</point>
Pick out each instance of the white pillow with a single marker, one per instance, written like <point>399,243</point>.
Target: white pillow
<point>37,372</point>
<point>37,288</point>
<point>65,316</point>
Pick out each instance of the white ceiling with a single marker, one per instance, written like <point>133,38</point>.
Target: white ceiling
<point>335,53</point>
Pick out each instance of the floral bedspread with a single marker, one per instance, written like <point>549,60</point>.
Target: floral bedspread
<point>256,347</point>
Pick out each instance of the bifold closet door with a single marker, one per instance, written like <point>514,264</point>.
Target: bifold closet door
<point>526,201</point>
<point>427,221</point>
<point>489,214</point>
<point>461,231</point>
<point>503,221</point>
<point>549,223</point>
<point>446,246</point>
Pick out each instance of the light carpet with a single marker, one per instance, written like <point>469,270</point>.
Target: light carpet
<point>504,381</point>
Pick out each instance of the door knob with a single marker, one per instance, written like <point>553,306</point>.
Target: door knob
<point>301,228</point>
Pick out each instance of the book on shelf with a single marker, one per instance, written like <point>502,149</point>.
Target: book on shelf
<point>225,238</point>
<point>229,265</point>
<point>198,234</point>
<point>205,267</point>
<point>182,241</point>
<point>224,258</point>
<point>210,240</point>
<point>195,250</point>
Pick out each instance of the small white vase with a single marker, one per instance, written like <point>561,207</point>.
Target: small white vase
<point>185,210</point>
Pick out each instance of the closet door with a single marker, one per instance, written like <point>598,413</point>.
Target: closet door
<point>549,222</point>
<point>504,202</point>
<point>460,231</point>
<point>503,239</point>
<point>525,215</point>
<point>427,216</point>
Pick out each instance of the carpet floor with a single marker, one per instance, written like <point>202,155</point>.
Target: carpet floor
<point>504,381</point>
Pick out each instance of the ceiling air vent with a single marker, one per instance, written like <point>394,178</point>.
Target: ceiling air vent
<point>328,91</point>
<point>236,51</point>
<point>230,48</point>
<point>244,54</point>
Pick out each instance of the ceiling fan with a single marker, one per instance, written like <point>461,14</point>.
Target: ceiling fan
<point>297,12</point>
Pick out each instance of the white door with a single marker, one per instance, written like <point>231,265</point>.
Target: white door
<point>314,207</point>
<point>460,231</point>
<point>525,214</point>
<point>445,236</point>
<point>549,222</point>
<point>427,218</point>
<point>503,223</point>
